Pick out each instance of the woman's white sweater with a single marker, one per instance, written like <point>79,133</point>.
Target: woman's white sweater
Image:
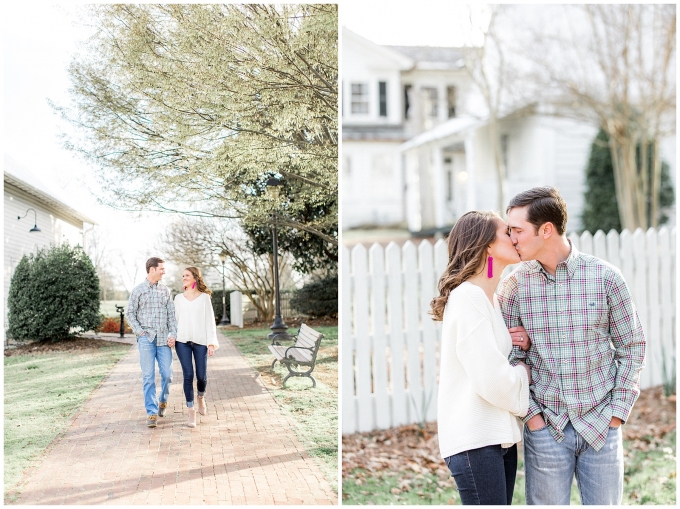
<point>196,320</point>
<point>480,393</point>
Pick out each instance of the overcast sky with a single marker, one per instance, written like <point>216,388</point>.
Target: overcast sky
<point>39,43</point>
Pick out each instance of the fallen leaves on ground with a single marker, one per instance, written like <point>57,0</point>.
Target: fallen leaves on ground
<point>409,451</point>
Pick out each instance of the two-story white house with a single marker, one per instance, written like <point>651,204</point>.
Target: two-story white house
<point>416,149</point>
<point>40,207</point>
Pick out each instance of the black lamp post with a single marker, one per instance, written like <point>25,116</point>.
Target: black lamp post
<point>225,317</point>
<point>278,328</point>
<point>35,221</point>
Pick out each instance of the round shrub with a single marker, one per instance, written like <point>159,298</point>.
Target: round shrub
<point>318,298</point>
<point>52,292</point>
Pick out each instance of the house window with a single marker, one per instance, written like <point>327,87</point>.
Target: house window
<point>359,98</point>
<point>504,153</point>
<point>430,98</point>
<point>407,104</point>
<point>382,93</point>
<point>451,101</point>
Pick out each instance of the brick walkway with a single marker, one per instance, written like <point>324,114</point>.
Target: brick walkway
<point>243,452</point>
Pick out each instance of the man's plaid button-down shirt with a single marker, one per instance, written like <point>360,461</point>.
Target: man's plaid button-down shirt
<point>587,344</point>
<point>151,311</point>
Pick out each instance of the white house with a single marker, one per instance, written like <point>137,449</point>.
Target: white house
<point>416,148</point>
<point>51,213</point>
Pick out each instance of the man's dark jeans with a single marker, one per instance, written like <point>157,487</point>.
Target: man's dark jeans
<point>200,354</point>
<point>485,476</point>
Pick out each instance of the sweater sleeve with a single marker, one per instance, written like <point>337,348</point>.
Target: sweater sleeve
<point>492,376</point>
<point>210,328</point>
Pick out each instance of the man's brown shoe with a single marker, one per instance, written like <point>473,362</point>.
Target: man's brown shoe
<point>162,406</point>
<point>152,421</point>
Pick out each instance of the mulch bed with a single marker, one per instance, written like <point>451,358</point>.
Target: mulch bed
<point>66,345</point>
<point>409,451</point>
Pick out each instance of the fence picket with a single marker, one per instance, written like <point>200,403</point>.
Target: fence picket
<point>364,380</point>
<point>428,409</point>
<point>653,307</point>
<point>378,319</point>
<point>412,328</point>
<point>387,386</point>
<point>396,322</point>
<point>640,294</point>
<point>586,243</point>
<point>347,360</point>
<point>600,245</point>
<point>575,240</point>
<point>613,250</point>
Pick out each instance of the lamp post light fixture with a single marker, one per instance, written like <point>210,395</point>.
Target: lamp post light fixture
<point>225,316</point>
<point>35,220</point>
<point>278,328</point>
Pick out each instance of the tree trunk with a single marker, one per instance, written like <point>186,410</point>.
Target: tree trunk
<point>624,180</point>
<point>655,186</point>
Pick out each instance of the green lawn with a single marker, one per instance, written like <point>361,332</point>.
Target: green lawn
<point>314,410</point>
<point>649,478</point>
<point>42,393</point>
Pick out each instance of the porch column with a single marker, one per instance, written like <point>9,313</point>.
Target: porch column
<point>470,169</point>
<point>438,189</point>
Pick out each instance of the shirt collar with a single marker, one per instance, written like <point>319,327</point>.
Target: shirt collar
<point>570,263</point>
<point>148,283</point>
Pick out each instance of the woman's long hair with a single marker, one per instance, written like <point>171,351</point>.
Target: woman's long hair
<point>200,284</point>
<point>468,240</point>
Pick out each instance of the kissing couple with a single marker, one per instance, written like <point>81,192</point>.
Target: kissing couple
<point>557,344</point>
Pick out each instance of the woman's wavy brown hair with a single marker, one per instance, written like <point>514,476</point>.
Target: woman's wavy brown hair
<point>468,240</point>
<point>200,284</point>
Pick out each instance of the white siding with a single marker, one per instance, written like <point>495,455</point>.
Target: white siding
<point>19,241</point>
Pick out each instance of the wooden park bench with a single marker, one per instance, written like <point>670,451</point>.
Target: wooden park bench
<point>302,353</point>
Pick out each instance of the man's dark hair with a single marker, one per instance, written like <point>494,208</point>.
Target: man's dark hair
<point>152,262</point>
<point>545,206</point>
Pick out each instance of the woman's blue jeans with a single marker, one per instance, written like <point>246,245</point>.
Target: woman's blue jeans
<point>485,476</point>
<point>200,355</point>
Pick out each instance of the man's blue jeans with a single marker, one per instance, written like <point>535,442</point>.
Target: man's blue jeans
<point>550,467</point>
<point>149,353</point>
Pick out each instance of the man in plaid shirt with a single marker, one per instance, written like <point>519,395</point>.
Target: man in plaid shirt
<point>151,315</point>
<point>586,352</point>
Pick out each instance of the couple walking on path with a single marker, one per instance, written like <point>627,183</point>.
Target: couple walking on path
<point>557,343</point>
<point>187,324</point>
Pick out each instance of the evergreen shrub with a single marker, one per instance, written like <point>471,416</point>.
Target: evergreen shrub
<point>318,298</point>
<point>53,292</point>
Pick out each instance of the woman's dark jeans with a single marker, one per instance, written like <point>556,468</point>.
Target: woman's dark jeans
<point>485,476</point>
<point>200,353</point>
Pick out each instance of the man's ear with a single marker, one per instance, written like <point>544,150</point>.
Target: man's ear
<point>548,230</point>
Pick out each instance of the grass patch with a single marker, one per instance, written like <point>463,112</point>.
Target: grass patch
<point>314,410</point>
<point>387,488</point>
<point>42,393</point>
<point>650,476</point>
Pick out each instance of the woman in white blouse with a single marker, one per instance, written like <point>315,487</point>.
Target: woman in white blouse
<point>196,336</point>
<point>480,393</point>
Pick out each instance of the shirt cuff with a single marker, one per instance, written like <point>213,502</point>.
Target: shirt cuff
<point>534,410</point>
<point>620,411</point>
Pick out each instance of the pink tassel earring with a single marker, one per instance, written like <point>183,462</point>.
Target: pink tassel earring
<point>194,285</point>
<point>489,272</point>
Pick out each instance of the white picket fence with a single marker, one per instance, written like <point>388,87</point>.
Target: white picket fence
<point>390,345</point>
